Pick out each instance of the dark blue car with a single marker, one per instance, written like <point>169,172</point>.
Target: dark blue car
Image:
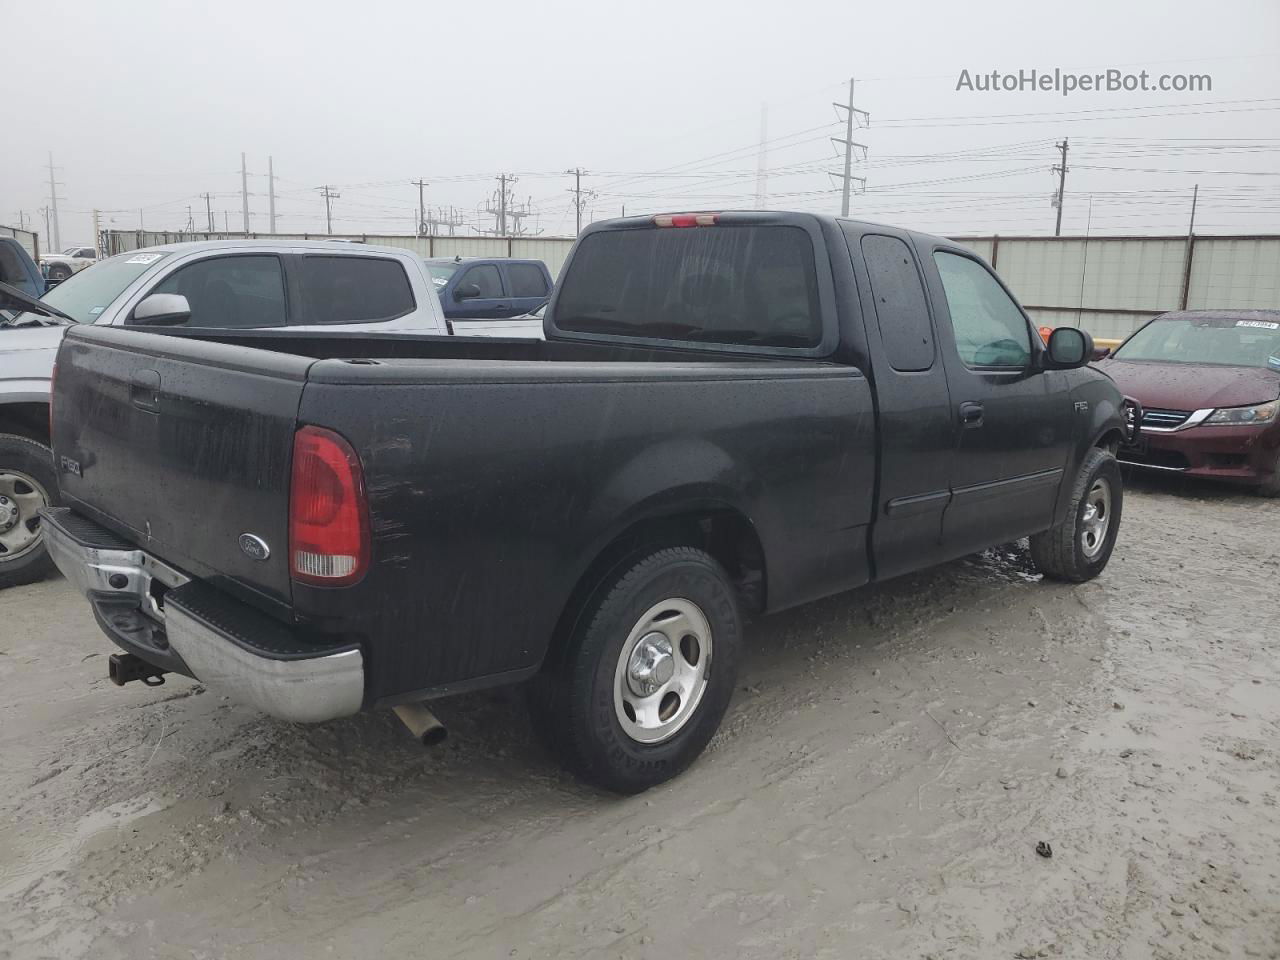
<point>477,289</point>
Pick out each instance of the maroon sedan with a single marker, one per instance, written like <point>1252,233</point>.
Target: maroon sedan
<point>1209,383</point>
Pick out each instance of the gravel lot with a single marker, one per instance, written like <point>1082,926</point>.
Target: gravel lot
<point>878,790</point>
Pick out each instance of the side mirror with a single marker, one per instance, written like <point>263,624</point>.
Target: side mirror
<point>1068,348</point>
<point>162,310</point>
<point>467,291</point>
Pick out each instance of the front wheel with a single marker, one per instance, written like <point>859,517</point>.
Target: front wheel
<point>59,272</point>
<point>27,483</point>
<point>647,672</point>
<point>1078,548</point>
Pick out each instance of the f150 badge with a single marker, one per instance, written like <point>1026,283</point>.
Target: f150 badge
<point>254,547</point>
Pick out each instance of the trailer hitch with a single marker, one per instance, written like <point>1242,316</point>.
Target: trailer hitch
<point>124,668</point>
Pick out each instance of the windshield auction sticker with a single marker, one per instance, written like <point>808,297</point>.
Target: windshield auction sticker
<point>145,258</point>
<point>1262,324</point>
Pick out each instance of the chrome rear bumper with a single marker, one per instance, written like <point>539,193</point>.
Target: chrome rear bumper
<point>149,608</point>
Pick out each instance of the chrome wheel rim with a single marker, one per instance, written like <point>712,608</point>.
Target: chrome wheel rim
<point>1097,518</point>
<point>662,671</point>
<point>21,498</point>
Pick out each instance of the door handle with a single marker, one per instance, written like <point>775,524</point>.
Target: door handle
<point>971,414</point>
<point>144,390</point>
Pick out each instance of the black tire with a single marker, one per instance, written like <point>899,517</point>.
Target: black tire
<point>34,460</point>
<point>1060,551</point>
<point>59,272</point>
<point>573,699</point>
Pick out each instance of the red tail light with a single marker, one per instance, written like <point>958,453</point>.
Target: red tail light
<point>328,511</point>
<point>686,219</point>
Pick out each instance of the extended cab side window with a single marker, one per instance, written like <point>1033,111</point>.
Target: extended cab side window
<point>353,289</point>
<point>901,309</point>
<point>526,280</point>
<point>236,291</point>
<point>990,330</point>
<point>486,277</point>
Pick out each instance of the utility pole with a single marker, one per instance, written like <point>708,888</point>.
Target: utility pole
<point>327,192</point>
<point>208,209</point>
<point>501,207</point>
<point>271,193</point>
<point>1061,171</point>
<point>1190,251</point>
<point>191,223</point>
<point>226,221</point>
<point>422,213</point>
<point>852,116</point>
<point>53,205</point>
<point>503,180</point>
<point>762,159</point>
<point>580,199</point>
<point>244,193</point>
<point>47,234</point>
<point>97,234</point>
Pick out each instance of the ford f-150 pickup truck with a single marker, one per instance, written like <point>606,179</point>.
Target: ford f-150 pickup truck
<point>730,414</point>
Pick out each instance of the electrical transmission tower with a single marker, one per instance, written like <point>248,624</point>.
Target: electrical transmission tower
<point>580,197</point>
<point>1061,171</point>
<point>762,160</point>
<point>853,118</point>
<point>53,206</point>
<point>328,193</point>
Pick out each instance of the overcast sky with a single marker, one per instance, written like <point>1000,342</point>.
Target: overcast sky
<point>145,106</point>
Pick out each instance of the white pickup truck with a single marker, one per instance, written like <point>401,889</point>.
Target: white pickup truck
<point>58,266</point>
<point>320,286</point>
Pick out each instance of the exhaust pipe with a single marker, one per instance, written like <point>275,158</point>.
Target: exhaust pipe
<point>422,723</point>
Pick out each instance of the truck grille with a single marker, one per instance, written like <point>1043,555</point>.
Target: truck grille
<point>1164,419</point>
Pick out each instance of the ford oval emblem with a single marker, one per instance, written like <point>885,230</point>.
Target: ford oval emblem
<point>254,547</point>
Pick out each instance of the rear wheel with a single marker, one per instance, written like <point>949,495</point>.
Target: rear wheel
<point>1078,548</point>
<point>27,483</point>
<point>647,673</point>
<point>59,272</point>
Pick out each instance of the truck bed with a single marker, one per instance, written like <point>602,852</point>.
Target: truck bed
<point>496,472</point>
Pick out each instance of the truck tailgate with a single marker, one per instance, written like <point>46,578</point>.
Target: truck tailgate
<point>182,446</point>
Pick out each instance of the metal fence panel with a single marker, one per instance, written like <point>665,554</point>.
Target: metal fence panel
<point>1235,273</point>
<point>30,241</point>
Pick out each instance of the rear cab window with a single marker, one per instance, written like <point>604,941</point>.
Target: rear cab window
<point>527,280</point>
<point>736,284</point>
<point>902,312</point>
<point>354,289</point>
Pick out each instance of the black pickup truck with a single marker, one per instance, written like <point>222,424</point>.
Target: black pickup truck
<point>731,414</point>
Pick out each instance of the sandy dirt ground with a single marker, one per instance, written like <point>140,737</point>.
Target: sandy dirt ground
<point>878,789</point>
